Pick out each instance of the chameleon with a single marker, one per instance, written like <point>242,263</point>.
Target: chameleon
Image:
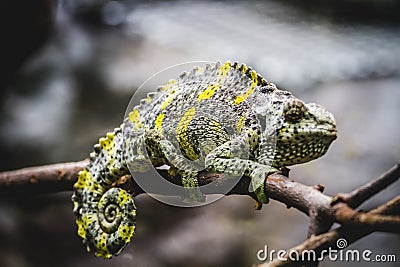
<point>223,118</point>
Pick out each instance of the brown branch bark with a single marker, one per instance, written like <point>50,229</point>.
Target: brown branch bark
<point>345,215</point>
<point>348,232</point>
<point>41,179</point>
<point>322,209</point>
<point>60,177</point>
<point>307,199</point>
<point>321,223</point>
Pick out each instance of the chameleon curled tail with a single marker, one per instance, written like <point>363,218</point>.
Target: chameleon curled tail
<point>105,215</point>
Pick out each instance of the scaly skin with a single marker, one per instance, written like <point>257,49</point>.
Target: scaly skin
<point>224,118</point>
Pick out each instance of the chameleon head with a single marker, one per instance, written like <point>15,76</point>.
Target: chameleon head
<point>306,132</point>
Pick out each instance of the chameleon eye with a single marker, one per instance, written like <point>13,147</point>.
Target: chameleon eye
<point>294,110</point>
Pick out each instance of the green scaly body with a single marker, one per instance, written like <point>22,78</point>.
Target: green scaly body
<point>224,118</point>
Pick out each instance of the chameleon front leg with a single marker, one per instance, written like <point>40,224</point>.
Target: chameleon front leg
<point>264,157</point>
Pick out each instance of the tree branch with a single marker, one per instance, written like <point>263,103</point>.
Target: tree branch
<point>322,209</point>
<point>324,241</point>
<point>41,179</point>
<point>345,215</point>
<point>320,223</point>
<point>60,177</point>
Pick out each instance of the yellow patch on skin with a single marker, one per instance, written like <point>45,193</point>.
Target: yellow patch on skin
<point>159,122</point>
<point>168,85</point>
<point>86,182</point>
<point>224,69</point>
<point>82,227</point>
<point>110,135</point>
<point>240,124</point>
<point>123,197</point>
<point>168,100</point>
<point>101,246</point>
<point>126,232</point>
<point>107,143</point>
<point>181,133</point>
<point>83,224</point>
<point>134,116</point>
<point>244,69</point>
<point>254,82</point>
<point>82,177</point>
<point>208,92</point>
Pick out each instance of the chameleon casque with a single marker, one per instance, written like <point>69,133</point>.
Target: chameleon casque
<point>223,118</point>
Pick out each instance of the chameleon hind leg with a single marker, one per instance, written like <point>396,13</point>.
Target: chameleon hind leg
<point>232,158</point>
<point>161,148</point>
<point>190,183</point>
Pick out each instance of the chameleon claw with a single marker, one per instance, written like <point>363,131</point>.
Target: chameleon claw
<point>258,205</point>
<point>260,198</point>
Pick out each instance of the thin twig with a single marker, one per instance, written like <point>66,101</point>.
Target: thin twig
<point>329,239</point>
<point>345,215</point>
<point>361,194</point>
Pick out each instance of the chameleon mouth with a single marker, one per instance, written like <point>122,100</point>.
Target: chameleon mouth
<point>327,131</point>
<point>321,131</point>
<point>325,136</point>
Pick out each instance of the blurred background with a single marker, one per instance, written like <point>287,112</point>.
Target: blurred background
<point>69,69</point>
